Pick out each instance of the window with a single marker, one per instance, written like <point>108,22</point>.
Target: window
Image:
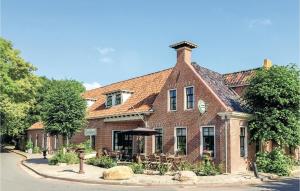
<point>209,140</point>
<point>181,140</point>
<point>242,142</point>
<point>172,100</point>
<point>158,141</point>
<point>118,99</point>
<point>109,101</point>
<point>122,142</point>
<point>189,97</point>
<point>93,141</point>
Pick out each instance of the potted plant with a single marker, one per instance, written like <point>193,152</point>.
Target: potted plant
<point>29,146</point>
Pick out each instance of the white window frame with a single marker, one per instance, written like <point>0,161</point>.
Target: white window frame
<point>169,108</point>
<point>184,93</point>
<point>107,101</point>
<point>201,139</point>
<point>186,140</point>
<point>153,139</point>
<point>245,141</point>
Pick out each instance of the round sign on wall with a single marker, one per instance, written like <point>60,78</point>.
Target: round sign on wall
<point>201,106</point>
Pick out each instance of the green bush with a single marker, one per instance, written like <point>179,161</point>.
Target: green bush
<point>103,161</point>
<point>36,149</point>
<point>29,145</point>
<point>86,146</point>
<point>60,157</point>
<point>206,168</point>
<point>53,161</point>
<point>185,166</point>
<point>137,168</point>
<point>162,168</point>
<point>274,162</point>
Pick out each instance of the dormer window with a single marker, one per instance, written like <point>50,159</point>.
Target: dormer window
<point>117,97</point>
<point>90,101</point>
<point>109,101</point>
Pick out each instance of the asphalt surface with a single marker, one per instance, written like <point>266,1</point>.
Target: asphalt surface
<point>15,177</point>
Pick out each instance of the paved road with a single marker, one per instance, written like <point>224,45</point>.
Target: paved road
<point>14,177</point>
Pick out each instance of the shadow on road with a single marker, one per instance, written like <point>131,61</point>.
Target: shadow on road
<point>37,161</point>
<point>291,184</point>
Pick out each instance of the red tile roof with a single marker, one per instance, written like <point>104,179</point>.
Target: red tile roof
<point>37,125</point>
<point>145,89</point>
<point>240,78</point>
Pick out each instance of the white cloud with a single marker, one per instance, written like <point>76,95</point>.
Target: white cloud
<point>106,59</point>
<point>105,54</point>
<point>105,51</point>
<point>93,85</point>
<point>259,22</point>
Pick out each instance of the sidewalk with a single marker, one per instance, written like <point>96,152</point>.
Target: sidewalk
<point>93,175</point>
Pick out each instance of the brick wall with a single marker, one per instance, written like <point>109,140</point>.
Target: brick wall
<point>182,76</point>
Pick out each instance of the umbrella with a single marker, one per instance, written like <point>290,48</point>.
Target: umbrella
<point>140,131</point>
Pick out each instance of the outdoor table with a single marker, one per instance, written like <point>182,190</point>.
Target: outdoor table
<point>175,161</point>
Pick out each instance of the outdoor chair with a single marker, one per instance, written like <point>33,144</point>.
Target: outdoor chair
<point>105,152</point>
<point>165,160</point>
<point>153,161</point>
<point>144,158</point>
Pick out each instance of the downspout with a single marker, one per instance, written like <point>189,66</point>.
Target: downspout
<point>226,126</point>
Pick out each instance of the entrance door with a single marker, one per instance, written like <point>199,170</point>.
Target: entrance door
<point>122,143</point>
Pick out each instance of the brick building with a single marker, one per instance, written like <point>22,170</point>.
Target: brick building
<point>195,109</point>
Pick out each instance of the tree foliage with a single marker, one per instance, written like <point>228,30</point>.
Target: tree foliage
<point>273,97</point>
<point>18,86</point>
<point>63,108</point>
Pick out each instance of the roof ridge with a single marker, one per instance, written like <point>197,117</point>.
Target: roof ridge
<point>242,71</point>
<point>152,73</point>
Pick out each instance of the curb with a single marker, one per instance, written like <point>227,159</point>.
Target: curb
<point>116,183</point>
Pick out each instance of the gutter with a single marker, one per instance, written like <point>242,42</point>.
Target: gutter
<point>121,115</point>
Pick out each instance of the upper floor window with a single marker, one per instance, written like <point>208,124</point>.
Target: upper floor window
<point>172,100</point>
<point>189,97</point>
<point>109,101</point>
<point>118,99</point>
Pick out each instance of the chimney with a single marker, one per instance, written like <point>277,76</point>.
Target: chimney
<point>184,51</point>
<point>267,64</point>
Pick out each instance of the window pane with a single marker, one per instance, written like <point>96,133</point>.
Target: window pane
<point>172,95</point>
<point>109,101</point>
<point>208,139</point>
<point>118,99</point>
<point>158,141</point>
<point>242,142</point>
<point>181,140</point>
<point>189,98</point>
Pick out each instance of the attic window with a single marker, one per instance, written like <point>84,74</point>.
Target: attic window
<point>117,97</point>
<point>109,101</point>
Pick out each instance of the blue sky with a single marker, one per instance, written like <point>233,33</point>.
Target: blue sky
<point>100,42</point>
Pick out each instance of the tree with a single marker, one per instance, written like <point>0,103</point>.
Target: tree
<point>273,97</point>
<point>18,86</point>
<point>64,109</point>
<point>35,112</point>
